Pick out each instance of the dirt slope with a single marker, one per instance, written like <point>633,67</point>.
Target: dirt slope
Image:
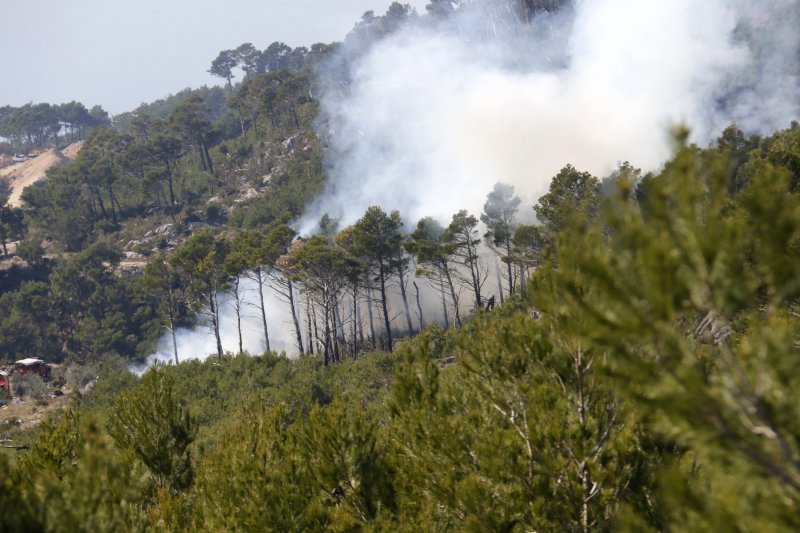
<point>29,172</point>
<point>72,150</point>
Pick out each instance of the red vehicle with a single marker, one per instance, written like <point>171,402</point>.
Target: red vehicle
<point>32,365</point>
<point>5,382</point>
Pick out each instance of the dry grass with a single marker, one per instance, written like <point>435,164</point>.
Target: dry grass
<point>27,413</point>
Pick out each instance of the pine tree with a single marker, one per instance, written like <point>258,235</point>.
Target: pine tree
<point>461,238</point>
<point>498,215</point>
<point>201,259</point>
<point>692,293</point>
<point>152,423</point>
<point>572,195</point>
<point>378,243</point>
<point>433,255</point>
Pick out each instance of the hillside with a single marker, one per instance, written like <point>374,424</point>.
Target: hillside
<point>26,173</point>
<point>411,282</point>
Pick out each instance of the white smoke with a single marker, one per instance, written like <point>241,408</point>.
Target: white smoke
<point>435,115</point>
<point>200,343</point>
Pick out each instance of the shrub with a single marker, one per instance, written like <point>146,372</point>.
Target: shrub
<point>79,375</point>
<point>30,385</point>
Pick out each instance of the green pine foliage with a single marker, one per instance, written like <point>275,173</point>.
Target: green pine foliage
<point>153,425</point>
<point>693,291</point>
<point>644,378</point>
<point>72,479</point>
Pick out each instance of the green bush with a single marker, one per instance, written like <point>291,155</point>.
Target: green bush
<point>29,386</point>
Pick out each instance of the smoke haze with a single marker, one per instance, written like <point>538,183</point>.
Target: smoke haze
<point>434,116</point>
<point>200,343</point>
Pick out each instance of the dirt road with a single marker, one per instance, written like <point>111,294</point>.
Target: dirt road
<point>28,172</point>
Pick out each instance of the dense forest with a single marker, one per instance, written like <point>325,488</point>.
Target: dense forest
<point>623,362</point>
<point>40,125</point>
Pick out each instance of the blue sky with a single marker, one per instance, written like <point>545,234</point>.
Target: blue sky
<point>120,53</point>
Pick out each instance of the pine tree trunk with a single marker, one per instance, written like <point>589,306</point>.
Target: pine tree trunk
<point>111,202</point>
<point>114,200</point>
<point>208,158</point>
<point>355,319</point>
<point>385,306</point>
<point>359,322</point>
<point>314,322</point>
<point>172,329</point>
<point>419,308</point>
<point>337,320</point>
<point>510,269</point>
<point>586,483</point>
<point>100,202</point>
<point>309,339</point>
<point>476,275</point>
<point>205,157</point>
<point>203,165</point>
<point>263,308</point>
<point>405,304</point>
<point>326,352</point>
<point>215,321</point>
<point>442,290</point>
<point>337,324</point>
<point>453,296</point>
<point>237,306</point>
<point>290,291</point>
<point>371,318</point>
<point>170,185</point>
<point>499,280</point>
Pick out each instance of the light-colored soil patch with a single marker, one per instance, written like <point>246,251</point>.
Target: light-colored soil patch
<point>132,266</point>
<point>26,173</point>
<point>72,150</point>
<point>11,247</point>
<point>25,414</point>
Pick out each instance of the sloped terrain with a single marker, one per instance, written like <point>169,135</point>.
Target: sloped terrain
<point>28,172</point>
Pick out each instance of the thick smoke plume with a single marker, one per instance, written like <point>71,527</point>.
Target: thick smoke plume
<point>436,114</point>
<point>429,119</point>
<point>200,343</point>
